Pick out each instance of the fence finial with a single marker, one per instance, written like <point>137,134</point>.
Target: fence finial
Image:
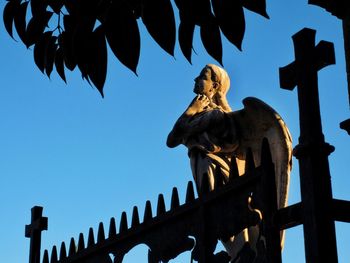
<point>123,227</point>
<point>175,202</point>
<point>148,211</point>
<point>81,243</point>
<point>91,238</point>
<point>160,205</point>
<point>72,247</point>
<point>54,255</point>
<point>112,228</point>
<point>63,251</point>
<point>135,220</point>
<point>189,192</point>
<point>100,233</point>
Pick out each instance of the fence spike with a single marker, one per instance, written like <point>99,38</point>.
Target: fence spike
<point>46,256</point>
<point>148,211</point>
<point>81,243</point>
<point>91,239</point>
<point>249,161</point>
<point>123,223</point>
<point>204,187</point>
<point>54,255</point>
<point>135,221</point>
<point>233,169</point>
<point>63,251</point>
<point>100,233</point>
<point>220,179</point>
<point>112,228</point>
<point>266,157</point>
<point>160,205</point>
<point>72,247</point>
<point>175,201</point>
<point>189,192</point>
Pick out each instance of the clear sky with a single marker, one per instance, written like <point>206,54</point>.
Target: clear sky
<point>86,159</point>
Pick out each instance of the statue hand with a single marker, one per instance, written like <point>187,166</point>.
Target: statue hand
<point>199,104</point>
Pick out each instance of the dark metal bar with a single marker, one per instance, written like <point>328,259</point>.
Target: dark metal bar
<point>341,210</point>
<point>288,217</point>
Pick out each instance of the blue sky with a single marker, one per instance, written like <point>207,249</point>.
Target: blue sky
<point>86,159</point>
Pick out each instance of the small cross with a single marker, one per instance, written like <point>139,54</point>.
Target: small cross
<point>33,231</point>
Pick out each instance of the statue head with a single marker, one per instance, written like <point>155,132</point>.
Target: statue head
<point>214,82</point>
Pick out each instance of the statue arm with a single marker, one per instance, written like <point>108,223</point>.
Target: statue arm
<point>189,124</point>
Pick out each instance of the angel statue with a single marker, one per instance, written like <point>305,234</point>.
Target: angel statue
<point>214,134</point>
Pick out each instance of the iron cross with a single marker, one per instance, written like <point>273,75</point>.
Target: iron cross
<point>33,231</point>
<point>312,151</point>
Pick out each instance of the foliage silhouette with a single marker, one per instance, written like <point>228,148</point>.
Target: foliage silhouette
<point>70,34</point>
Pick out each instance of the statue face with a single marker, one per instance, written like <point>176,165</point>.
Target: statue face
<point>204,85</point>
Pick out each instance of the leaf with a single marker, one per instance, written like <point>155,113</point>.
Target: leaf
<point>123,34</point>
<point>71,6</point>
<point>56,5</point>
<point>20,21</point>
<point>59,64</point>
<point>36,27</point>
<point>66,43</point>
<point>211,39</point>
<point>40,50</point>
<point>10,11</point>
<point>257,6</point>
<point>196,11</point>
<point>137,7</point>
<point>230,17</point>
<point>98,59</point>
<point>38,7</point>
<point>186,30</point>
<point>158,17</point>
<point>80,48</point>
<point>51,48</point>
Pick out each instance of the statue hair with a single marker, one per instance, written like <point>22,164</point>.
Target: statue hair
<point>220,76</point>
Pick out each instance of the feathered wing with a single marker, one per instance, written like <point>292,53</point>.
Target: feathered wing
<point>257,121</point>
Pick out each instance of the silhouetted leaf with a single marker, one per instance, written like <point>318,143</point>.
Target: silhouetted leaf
<point>98,58</point>
<point>257,6</point>
<point>59,63</point>
<point>20,21</point>
<point>211,39</point>
<point>10,11</point>
<point>158,17</point>
<point>123,34</point>
<point>230,17</point>
<point>40,50</point>
<point>51,48</point>
<point>186,30</point>
<point>36,27</point>
<point>137,7</point>
<point>66,43</point>
<point>201,11</point>
<point>71,6</point>
<point>38,7</point>
<point>194,11</point>
<point>56,5</point>
<point>81,50</point>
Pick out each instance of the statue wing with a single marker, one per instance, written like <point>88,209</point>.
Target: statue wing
<point>257,121</point>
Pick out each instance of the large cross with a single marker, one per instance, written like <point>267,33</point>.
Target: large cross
<point>33,231</point>
<point>312,151</point>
